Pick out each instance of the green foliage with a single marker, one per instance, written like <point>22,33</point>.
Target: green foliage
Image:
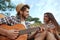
<point>36,20</point>
<point>6,5</point>
<point>29,18</point>
<point>7,0</point>
<point>35,25</point>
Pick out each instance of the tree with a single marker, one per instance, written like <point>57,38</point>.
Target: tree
<point>29,18</point>
<point>6,5</point>
<point>36,20</point>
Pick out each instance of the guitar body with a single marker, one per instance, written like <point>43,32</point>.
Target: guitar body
<point>18,27</point>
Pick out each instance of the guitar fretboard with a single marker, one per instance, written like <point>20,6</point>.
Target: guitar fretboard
<point>28,30</point>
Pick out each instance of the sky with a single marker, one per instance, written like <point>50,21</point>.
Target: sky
<point>39,7</point>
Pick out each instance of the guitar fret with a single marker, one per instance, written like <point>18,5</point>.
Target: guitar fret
<point>28,30</point>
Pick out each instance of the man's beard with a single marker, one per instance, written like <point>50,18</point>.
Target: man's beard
<point>24,17</point>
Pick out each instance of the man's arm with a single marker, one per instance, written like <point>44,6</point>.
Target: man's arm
<point>12,34</point>
<point>3,31</point>
<point>31,36</point>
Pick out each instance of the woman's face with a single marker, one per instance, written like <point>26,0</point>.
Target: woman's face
<point>46,19</point>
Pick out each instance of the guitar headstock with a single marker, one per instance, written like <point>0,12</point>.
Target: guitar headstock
<point>2,15</point>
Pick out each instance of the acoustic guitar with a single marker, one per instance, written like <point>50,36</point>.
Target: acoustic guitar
<point>22,33</point>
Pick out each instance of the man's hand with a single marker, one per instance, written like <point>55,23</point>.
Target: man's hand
<point>12,34</point>
<point>41,30</point>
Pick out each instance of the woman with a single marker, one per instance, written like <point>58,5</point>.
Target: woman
<point>50,25</point>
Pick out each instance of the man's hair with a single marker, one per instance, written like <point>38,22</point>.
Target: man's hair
<point>23,9</point>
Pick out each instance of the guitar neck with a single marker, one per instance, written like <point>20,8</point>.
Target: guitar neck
<point>26,31</point>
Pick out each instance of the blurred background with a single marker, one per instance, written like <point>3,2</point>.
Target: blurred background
<point>37,9</point>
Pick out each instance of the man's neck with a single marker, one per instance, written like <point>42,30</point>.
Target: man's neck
<point>22,18</point>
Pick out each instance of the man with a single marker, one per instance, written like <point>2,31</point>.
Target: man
<point>22,15</point>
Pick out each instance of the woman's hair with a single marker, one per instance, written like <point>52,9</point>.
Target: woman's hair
<point>52,19</point>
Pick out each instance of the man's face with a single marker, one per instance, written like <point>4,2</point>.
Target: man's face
<point>25,13</point>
